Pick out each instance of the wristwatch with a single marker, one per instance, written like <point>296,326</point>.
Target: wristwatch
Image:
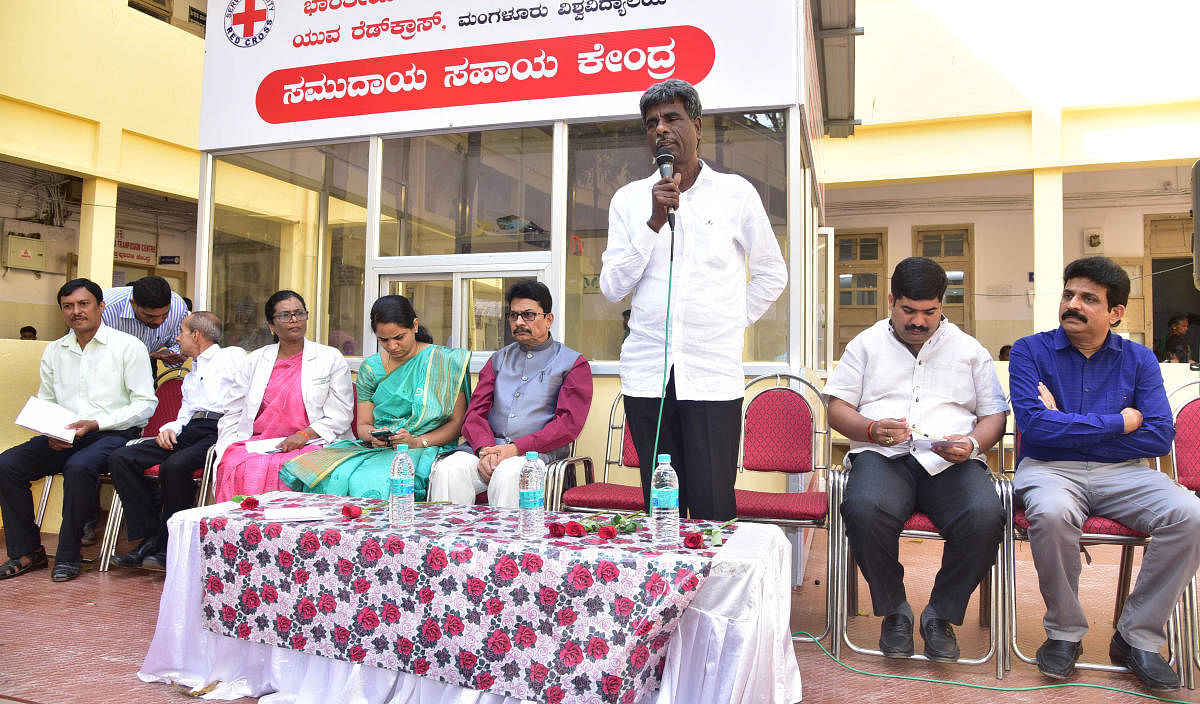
<point>425,443</point>
<point>974,446</point>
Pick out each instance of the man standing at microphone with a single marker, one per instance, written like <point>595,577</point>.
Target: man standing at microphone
<point>695,232</point>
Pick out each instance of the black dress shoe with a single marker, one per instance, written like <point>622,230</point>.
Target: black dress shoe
<point>1150,667</point>
<point>1056,658</point>
<point>940,643</point>
<point>64,571</point>
<point>148,547</point>
<point>896,636</point>
<point>89,535</point>
<point>157,561</point>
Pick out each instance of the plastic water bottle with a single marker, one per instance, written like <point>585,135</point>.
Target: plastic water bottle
<point>532,520</point>
<point>400,496</point>
<point>664,504</point>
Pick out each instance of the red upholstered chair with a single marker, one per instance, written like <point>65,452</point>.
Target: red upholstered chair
<point>593,496</point>
<point>785,430</point>
<point>1185,456</point>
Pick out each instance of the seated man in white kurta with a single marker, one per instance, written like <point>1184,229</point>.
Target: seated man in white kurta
<point>533,395</point>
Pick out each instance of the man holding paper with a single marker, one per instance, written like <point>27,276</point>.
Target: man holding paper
<point>920,402</point>
<point>181,444</point>
<point>102,376</point>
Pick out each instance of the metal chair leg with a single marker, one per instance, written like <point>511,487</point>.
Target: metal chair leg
<point>108,545</point>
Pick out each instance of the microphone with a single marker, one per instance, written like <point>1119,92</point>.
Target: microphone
<point>665,161</point>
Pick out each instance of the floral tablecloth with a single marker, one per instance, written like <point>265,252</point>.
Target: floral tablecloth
<point>457,597</point>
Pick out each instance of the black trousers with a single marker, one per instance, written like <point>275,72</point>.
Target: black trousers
<point>882,493</point>
<point>143,517</point>
<point>702,438</point>
<point>80,466</point>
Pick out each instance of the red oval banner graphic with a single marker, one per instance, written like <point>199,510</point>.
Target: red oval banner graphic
<point>592,64</point>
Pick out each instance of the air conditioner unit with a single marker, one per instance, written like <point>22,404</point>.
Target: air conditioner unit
<point>155,8</point>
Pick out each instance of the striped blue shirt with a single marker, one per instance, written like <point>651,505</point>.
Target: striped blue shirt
<point>118,314</point>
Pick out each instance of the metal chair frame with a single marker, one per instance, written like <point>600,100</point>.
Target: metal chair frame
<point>589,474</point>
<point>1191,599</point>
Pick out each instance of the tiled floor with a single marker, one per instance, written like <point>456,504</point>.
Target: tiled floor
<point>83,641</point>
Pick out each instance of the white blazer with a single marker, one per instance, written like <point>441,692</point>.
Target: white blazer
<point>324,382</point>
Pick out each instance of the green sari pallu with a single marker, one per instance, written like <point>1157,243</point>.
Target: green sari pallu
<point>418,396</point>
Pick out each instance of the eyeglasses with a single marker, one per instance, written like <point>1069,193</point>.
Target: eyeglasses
<point>527,315</point>
<point>290,316</point>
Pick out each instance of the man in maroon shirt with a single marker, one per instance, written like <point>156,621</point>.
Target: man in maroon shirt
<point>533,395</point>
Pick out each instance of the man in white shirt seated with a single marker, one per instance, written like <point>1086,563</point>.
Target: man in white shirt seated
<point>181,444</point>
<point>920,402</point>
<point>101,375</point>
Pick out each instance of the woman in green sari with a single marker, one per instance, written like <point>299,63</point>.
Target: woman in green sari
<point>413,388</point>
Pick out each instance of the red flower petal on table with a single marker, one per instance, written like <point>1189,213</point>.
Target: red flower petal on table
<point>484,680</point>
<point>252,535</point>
<point>341,635</point>
<point>215,585</point>
<point>309,542</point>
<point>597,648</point>
<point>362,585</point>
<point>607,571</point>
<point>570,655</point>
<point>391,613</point>
<point>420,666</point>
<point>526,637</point>
<point>557,530</point>
<point>436,559</point>
<point>498,642</point>
<point>326,603</point>
<point>655,585</point>
<point>404,646</point>
<point>357,654</point>
<point>575,529</point>
<point>538,672</point>
<point>462,554</point>
<point>305,609</point>
<point>243,631</point>
<point>580,577</point>
<point>425,595</point>
<point>639,656</point>
<point>249,502</point>
<point>531,562</point>
<point>454,625</point>
<point>299,641</point>
<point>269,594</point>
<point>611,684</point>
<point>283,624</point>
<point>693,540</point>
<point>273,530</point>
<point>555,694</point>
<point>393,545</point>
<point>370,550</point>
<point>217,523</point>
<point>228,613</point>
<point>494,606</point>
<point>367,619</point>
<point>475,586</point>
<point>345,567</point>
<point>607,532</point>
<point>506,568</point>
<point>229,551</point>
<point>466,660</point>
<point>623,606</point>
<point>203,527</point>
<point>284,559</point>
<point>331,537</point>
<point>301,576</point>
<point>351,510</point>
<point>566,616</point>
<point>244,567</point>
<point>547,595</point>
<point>408,576</point>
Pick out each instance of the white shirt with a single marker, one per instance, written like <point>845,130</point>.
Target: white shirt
<point>204,389</point>
<point>943,390</point>
<point>721,230</point>
<point>118,314</point>
<point>107,381</point>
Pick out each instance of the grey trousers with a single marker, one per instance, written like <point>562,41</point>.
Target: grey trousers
<point>1059,496</point>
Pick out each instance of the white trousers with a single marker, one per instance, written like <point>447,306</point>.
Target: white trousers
<point>455,478</point>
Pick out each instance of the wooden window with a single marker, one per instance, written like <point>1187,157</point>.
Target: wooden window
<point>859,261</point>
<point>952,247</point>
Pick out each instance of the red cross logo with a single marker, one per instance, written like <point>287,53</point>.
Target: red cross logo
<point>248,17</point>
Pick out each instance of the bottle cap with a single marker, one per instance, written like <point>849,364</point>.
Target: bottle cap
<point>664,458</point>
<point>402,448</point>
<point>531,455</point>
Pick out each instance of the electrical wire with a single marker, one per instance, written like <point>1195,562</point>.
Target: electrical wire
<point>987,687</point>
<point>662,400</point>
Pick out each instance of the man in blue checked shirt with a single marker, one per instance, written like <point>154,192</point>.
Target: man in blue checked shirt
<point>150,311</point>
<point>1091,407</point>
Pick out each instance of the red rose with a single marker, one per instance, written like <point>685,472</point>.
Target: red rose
<point>301,576</point>
<point>538,672</point>
<point>566,616</point>
<point>326,603</point>
<point>252,535</point>
<point>461,555</point>
<point>243,631</point>
<point>575,529</point>
<point>454,625</point>
<point>357,653</point>
<point>227,613</point>
<point>309,542</point>
<point>425,595</point>
<point>250,599</point>
<point>351,510</point>
<point>215,585</point>
<point>526,636</point>
<point>547,596</point>
<point>391,613</point>
<point>494,606</point>
<point>244,567</point>
<point>531,562</point>
<point>299,641</point>
<point>283,624</point>
<point>580,577</point>
<point>408,576</point>
<point>655,586</point>
<point>597,648</point>
<point>284,559</point>
<point>203,527</point>
<point>611,684</point>
<point>466,660</point>
<point>269,594</point>
<point>430,631</point>
<point>331,537</point>
<point>370,550</point>
<point>693,540</point>
<point>499,642</point>
<point>555,694</point>
<point>686,580</point>
<point>506,568</point>
<point>345,567</point>
<point>393,544</point>
<point>341,635</point>
<point>249,502</point>
<point>305,609</point>
<point>570,655</point>
<point>273,530</point>
<point>367,619</point>
<point>623,606</point>
<point>229,550</point>
<point>607,532</point>
<point>642,627</point>
<point>436,559</point>
<point>639,656</point>
<point>475,586</point>
<point>421,666</point>
<point>557,530</point>
<point>404,646</point>
<point>217,523</point>
<point>484,680</point>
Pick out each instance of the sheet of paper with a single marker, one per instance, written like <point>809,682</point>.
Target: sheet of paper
<point>47,418</point>
<point>267,446</point>
<point>300,513</point>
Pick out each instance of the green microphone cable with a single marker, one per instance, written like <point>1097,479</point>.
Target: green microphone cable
<point>662,400</point>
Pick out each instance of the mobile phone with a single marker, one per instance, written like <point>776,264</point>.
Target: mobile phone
<point>381,434</point>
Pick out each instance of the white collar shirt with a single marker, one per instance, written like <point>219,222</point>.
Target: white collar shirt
<point>108,380</point>
<point>942,390</point>
<point>722,233</point>
<point>204,388</point>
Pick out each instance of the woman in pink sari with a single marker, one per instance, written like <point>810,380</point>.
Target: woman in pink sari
<point>296,391</point>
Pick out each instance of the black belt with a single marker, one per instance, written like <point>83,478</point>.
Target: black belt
<point>206,415</point>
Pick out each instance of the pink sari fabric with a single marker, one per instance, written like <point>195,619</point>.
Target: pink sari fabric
<point>281,414</point>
